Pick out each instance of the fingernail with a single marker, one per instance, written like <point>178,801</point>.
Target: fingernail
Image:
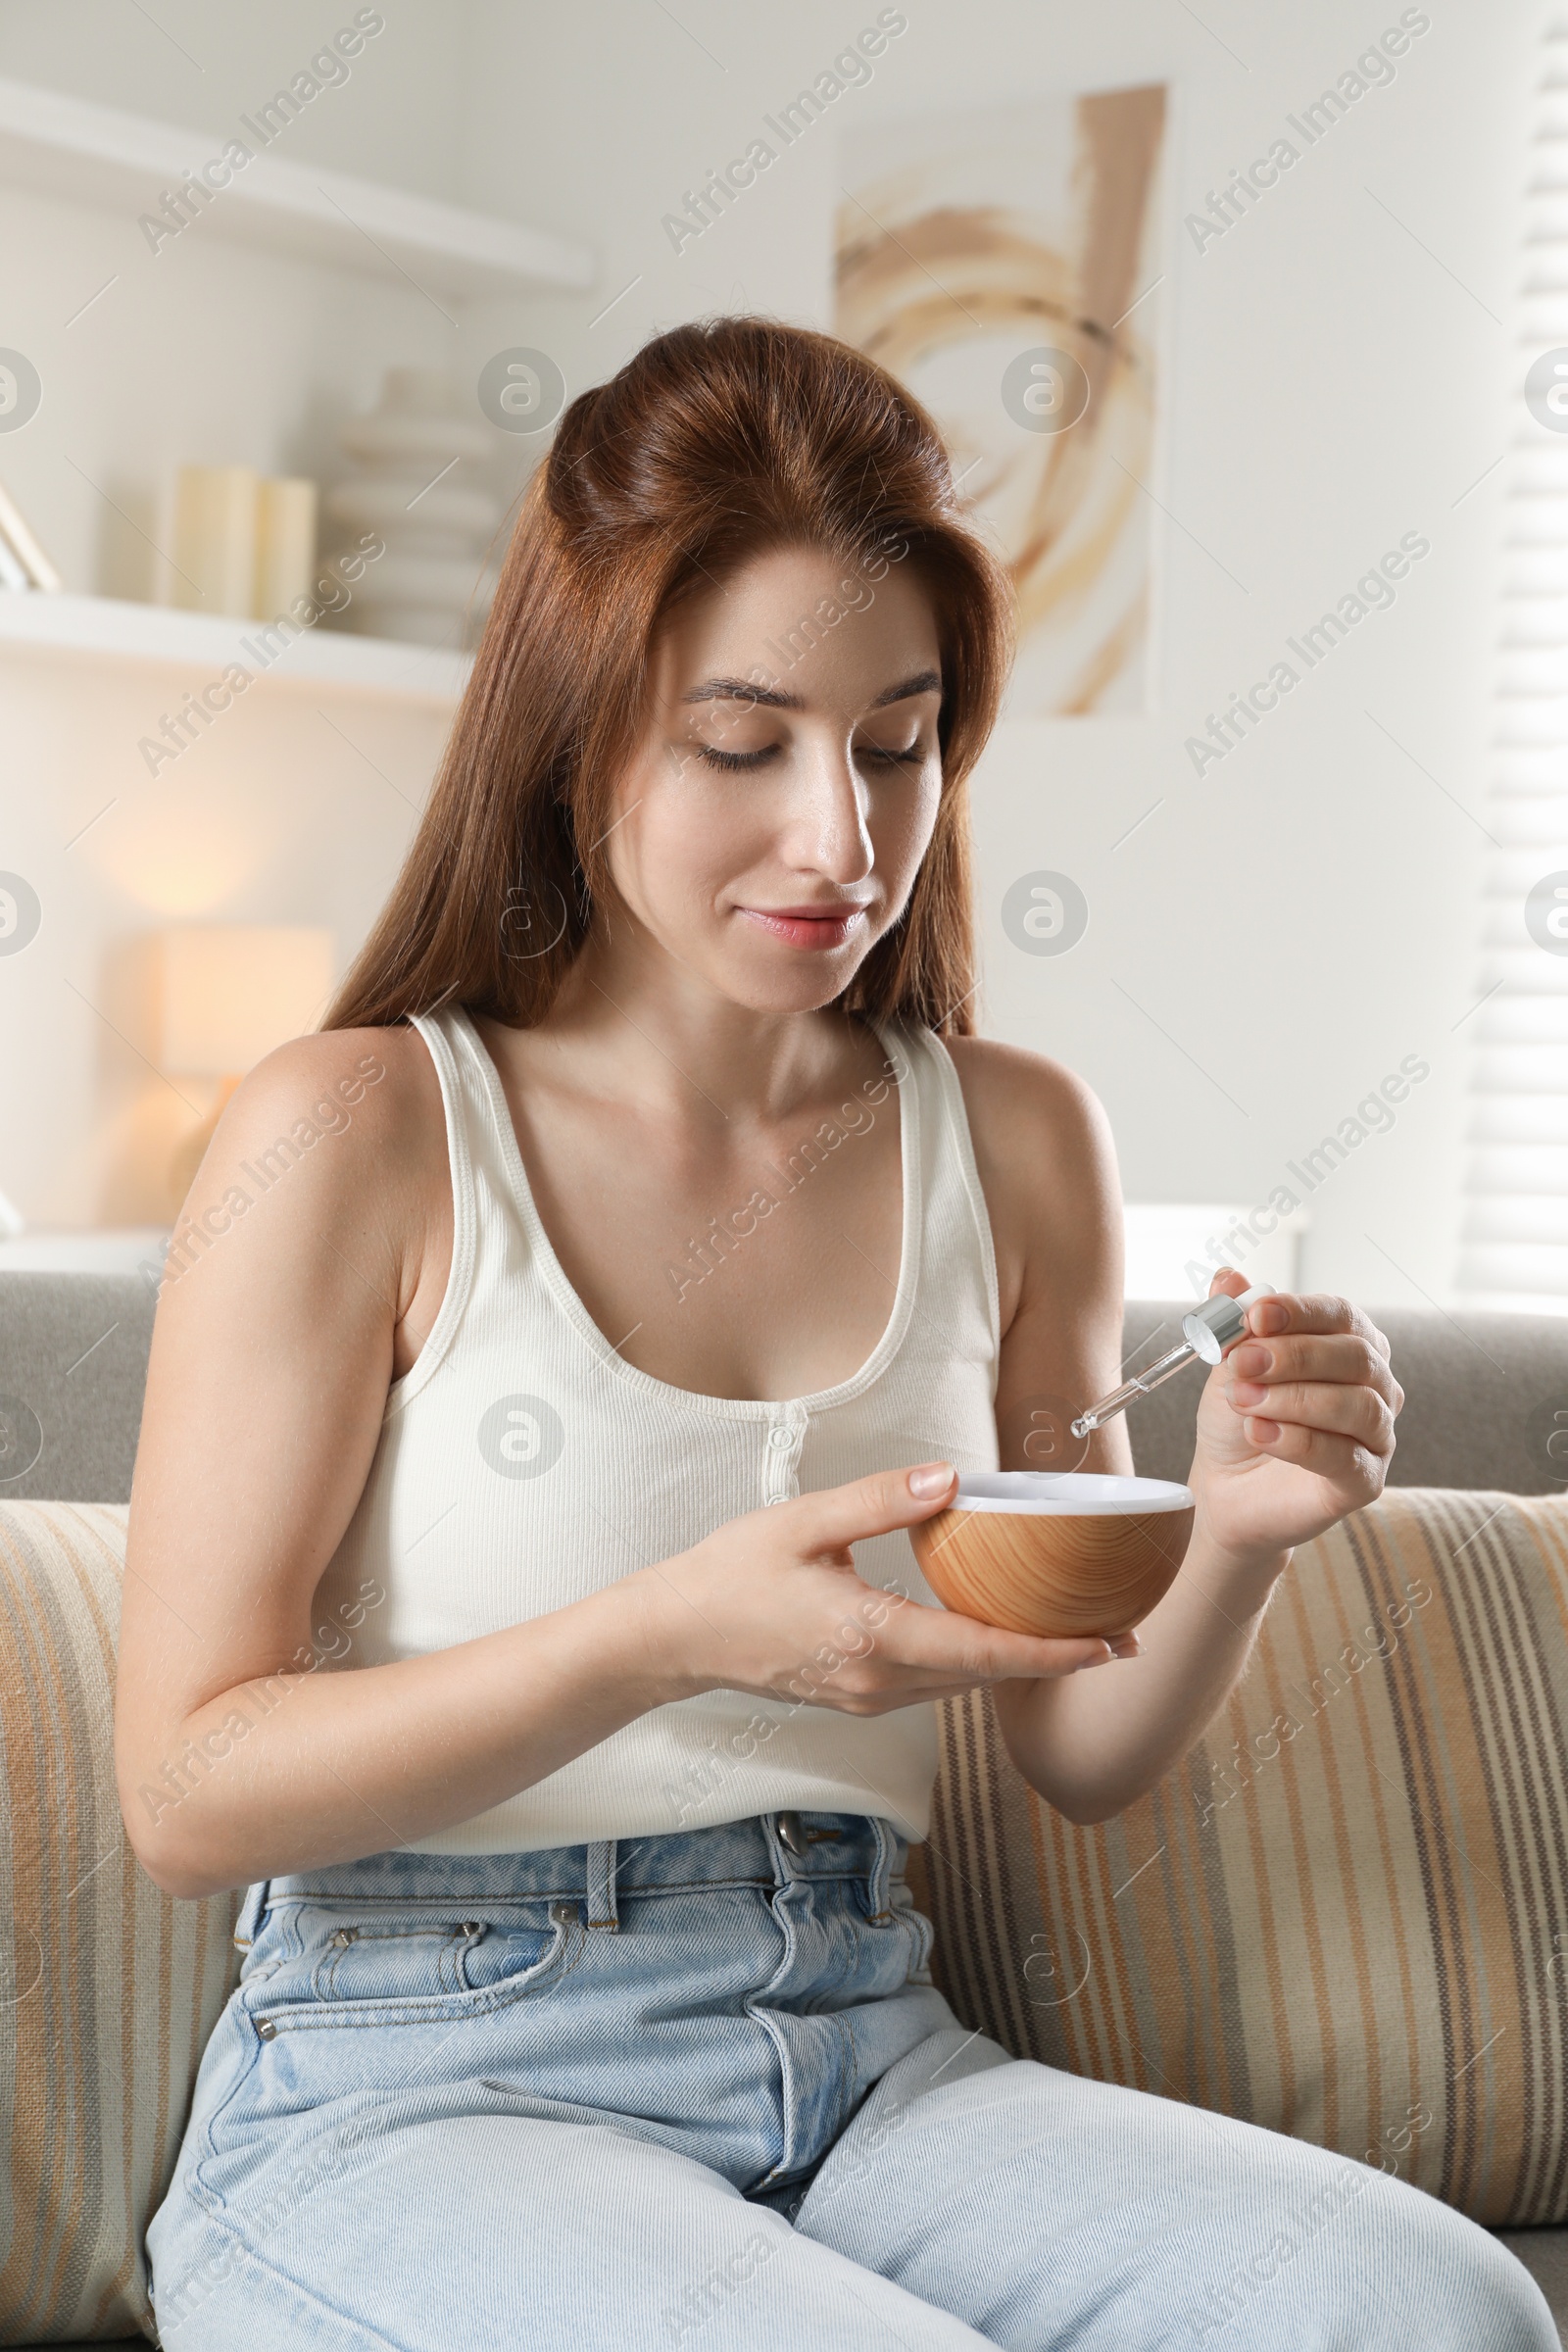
<point>1248,1391</point>
<point>1102,1661</point>
<point>932,1478</point>
<point>1250,1359</point>
<point>1127,1645</point>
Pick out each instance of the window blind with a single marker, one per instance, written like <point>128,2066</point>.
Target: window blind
<point>1514,1251</point>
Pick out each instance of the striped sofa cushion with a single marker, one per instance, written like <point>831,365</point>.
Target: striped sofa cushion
<point>1345,1915</point>
<point>110,1988</point>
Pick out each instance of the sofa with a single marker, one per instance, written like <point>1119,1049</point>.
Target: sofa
<point>1345,1914</point>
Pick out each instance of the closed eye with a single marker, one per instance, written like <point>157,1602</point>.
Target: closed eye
<point>886,756</point>
<point>874,754</point>
<point>736,761</point>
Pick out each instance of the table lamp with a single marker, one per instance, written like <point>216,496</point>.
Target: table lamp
<point>231,993</point>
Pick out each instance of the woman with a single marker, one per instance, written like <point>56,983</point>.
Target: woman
<point>645,1230</point>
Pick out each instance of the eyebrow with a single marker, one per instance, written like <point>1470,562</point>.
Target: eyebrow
<point>743,690</point>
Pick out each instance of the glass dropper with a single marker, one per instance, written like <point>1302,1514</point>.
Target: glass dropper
<point>1206,1333</point>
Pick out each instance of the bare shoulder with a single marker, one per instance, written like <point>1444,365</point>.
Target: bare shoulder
<point>1012,1093</point>
<point>337,1132</point>
<point>1046,1162</point>
<point>375,1085</point>
<point>383,1074</point>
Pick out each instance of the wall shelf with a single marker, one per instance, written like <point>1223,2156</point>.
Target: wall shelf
<point>83,1249</point>
<point>71,147</point>
<point>201,645</point>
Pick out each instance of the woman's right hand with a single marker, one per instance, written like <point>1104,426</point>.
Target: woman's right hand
<point>770,1604</point>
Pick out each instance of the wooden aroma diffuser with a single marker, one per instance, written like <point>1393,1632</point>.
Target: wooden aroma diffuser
<point>1069,1553</point>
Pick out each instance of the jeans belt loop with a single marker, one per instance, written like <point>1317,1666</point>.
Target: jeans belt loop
<point>601,1887</point>
<point>252,1912</point>
<point>881,1870</point>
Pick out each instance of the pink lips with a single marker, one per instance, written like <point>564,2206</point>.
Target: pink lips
<point>806,926</point>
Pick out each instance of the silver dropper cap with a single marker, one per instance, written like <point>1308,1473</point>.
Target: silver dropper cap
<point>1211,1328</point>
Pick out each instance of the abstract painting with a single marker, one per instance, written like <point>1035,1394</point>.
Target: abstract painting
<point>1003,262</point>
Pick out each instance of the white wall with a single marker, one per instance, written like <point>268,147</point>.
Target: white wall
<point>397,118</point>
<point>1302,917</point>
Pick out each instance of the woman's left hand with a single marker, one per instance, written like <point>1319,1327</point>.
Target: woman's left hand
<point>1295,1424</point>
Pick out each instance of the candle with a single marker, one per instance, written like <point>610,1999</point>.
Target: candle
<point>286,544</point>
<point>215,538</point>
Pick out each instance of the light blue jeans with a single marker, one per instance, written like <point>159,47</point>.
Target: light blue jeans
<point>699,2089</point>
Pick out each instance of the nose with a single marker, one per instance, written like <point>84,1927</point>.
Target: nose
<point>826,831</point>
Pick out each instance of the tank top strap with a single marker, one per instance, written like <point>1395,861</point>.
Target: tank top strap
<point>957,1224</point>
<point>467,1119</point>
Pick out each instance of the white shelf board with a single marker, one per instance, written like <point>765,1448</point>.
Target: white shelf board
<point>1164,1239</point>
<point>85,1250</point>
<point>72,147</point>
<point>202,645</point>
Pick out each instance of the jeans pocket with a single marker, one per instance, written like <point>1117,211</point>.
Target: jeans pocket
<point>404,1965</point>
<point>380,1959</point>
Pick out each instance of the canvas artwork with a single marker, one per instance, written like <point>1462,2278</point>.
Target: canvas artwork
<point>1002,262</point>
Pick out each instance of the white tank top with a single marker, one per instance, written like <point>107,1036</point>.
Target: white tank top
<point>524,1464</point>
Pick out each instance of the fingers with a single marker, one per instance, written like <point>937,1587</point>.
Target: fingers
<point>1346,1463</point>
<point>1349,1360</point>
<point>1314,1311</point>
<point>898,1652</point>
<point>959,1652</point>
<point>1301,1312</point>
<point>1312,1382</point>
<point>830,1521</point>
<point>1358,1413</point>
<point>1297,1310</point>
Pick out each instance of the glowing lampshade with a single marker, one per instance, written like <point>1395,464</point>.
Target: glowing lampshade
<point>232,992</point>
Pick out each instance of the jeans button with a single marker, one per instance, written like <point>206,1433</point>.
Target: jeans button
<point>791,1834</point>
<point>563,1915</point>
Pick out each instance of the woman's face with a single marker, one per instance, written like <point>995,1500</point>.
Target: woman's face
<point>770,825</point>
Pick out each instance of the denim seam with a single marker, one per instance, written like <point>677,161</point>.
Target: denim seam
<point>324,1976</point>
<point>922,1933</point>
<point>249,2050</point>
<point>846,2098</point>
<point>757,2010</point>
<point>249,2054</point>
<point>879,1877</point>
<point>434,2008</point>
<point>573,1892</point>
<point>349,2325</point>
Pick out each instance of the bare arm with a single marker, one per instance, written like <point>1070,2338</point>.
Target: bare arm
<point>1049,1167</point>
<point>240,1756</point>
<point>241,1751</point>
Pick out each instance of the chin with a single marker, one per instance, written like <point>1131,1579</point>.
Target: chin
<point>807,988</point>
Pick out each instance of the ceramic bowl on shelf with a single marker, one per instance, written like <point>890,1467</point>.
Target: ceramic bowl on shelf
<point>1067,1552</point>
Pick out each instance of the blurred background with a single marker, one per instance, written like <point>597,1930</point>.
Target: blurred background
<point>1245,324</point>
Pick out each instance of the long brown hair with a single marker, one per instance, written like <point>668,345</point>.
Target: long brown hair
<point>714,443</point>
